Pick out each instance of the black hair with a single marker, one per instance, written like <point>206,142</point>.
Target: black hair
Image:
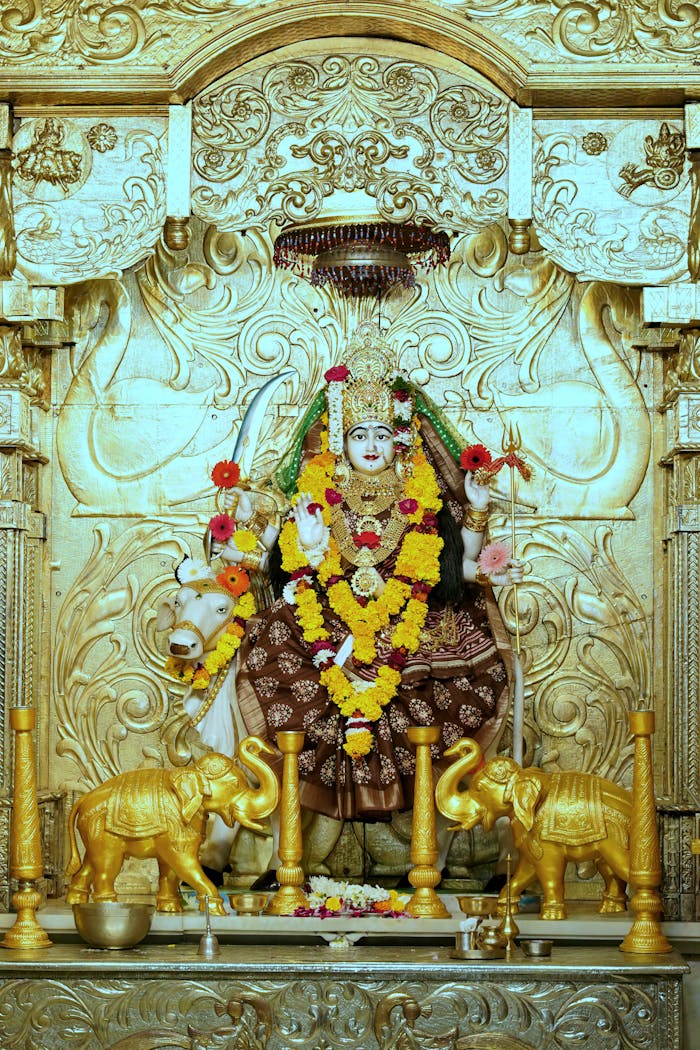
<point>450,589</point>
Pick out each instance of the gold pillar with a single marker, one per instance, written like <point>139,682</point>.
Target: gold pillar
<point>290,874</point>
<point>8,247</point>
<point>645,859</point>
<point>424,850</point>
<point>25,840</point>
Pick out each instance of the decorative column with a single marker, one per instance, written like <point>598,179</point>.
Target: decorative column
<point>8,250</point>
<point>519,179</point>
<point>290,874</point>
<point>646,935</point>
<point>424,876</point>
<point>678,784</point>
<point>26,314</point>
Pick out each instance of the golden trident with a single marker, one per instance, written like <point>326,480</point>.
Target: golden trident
<point>511,445</point>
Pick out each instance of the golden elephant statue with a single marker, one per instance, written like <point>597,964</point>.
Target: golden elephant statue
<point>162,813</point>
<point>555,818</point>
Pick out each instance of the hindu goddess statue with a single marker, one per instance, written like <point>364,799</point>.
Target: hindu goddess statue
<point>382,618</point>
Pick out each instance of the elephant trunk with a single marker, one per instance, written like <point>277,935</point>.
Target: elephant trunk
<point>450,800</point>
<point>257,802</point>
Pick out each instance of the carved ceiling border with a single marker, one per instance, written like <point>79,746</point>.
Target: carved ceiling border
<point>251,33</point>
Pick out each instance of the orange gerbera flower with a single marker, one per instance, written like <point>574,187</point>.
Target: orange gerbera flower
<point>226,474</point>
<point>234,579</point>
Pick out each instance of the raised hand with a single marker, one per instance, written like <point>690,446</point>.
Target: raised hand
<point>311,530</point>
<point>477,495</point>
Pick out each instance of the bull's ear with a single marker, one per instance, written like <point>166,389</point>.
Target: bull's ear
<point>525,789</point>
<point>165,614</point>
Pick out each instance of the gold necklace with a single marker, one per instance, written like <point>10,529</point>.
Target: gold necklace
<point>366,494</point>
<point>363,556</point>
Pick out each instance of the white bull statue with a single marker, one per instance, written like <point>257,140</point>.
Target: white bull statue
<point>196,617</point>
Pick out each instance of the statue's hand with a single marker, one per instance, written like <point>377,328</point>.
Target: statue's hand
<point>477,495</point>
<point>239,504</point>
<point>515,573</point>
<point>311,529</point>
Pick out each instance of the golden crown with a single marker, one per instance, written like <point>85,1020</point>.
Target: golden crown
<point>367,391</point>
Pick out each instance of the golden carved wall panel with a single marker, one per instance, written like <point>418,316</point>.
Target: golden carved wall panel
<point>168,353</point>
<point>612,198</point>
<point>89,195</point>
<point>551,30</point>
<point>547,31</point>
<point>347,135</point>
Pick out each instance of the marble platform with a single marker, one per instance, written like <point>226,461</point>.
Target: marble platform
<point>285,983</point>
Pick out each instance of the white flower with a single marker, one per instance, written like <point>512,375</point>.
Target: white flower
<point>403,410</point>
<point>192,569</point>
<point>320,658</point>
<point>289,592</point>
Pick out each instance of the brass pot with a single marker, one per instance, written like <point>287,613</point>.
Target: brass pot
<point>112,924</point>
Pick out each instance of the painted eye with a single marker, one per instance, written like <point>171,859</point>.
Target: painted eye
<point>222,610</point>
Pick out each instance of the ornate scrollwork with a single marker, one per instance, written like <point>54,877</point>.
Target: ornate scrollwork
<point>380,121</point>
<point>63,242</point>
<point>100,34</point>
<point>99,698</point>
<point>597,615</point>
<point>356,1013</point>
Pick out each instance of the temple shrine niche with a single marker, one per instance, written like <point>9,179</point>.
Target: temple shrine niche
<point>201,219</point>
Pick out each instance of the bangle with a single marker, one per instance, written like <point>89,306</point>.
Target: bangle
<point>475,520</point>
<point>251,560</point>
<point>257,523</point>
<point>482,578</point>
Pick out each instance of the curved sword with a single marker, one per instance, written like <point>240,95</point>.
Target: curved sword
<point>249,432</point>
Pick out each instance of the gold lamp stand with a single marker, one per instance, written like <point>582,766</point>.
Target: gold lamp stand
<point>424,876</point>
<point>290,874</point>
<point>646,935</point>
<point>25,840</point>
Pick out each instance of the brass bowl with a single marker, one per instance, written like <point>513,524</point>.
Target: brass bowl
<point>536,948</point>
<point>112,924</point>
<point>248,902</point>
<point>484,904</point>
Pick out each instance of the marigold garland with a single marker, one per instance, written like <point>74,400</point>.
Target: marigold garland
<point>403,602</point>
<point>199,675</point>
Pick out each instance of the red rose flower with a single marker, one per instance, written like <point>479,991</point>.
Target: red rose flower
<point>313,507</point>
<point>402,395</point>
<point>408,506</point>
<point>336,374</point>
<point>474,457</point>
<point>221,527</point>
<point>396,660</point>
<point>226,474</point>
<point>367,539</point>
<point>333,497</point>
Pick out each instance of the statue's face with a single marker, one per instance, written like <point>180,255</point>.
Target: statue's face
<point>370,447</point>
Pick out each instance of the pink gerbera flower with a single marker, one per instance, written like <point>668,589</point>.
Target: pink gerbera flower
<point>494,557</point>
<point>221,527</point>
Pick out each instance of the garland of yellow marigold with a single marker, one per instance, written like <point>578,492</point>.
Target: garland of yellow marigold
<point>403,601</point>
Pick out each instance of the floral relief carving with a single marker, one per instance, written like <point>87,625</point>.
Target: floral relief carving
<point>99,35</point>
<point>368,126</point>
<point>588,642</point>
<point>100,695</point>
<point>588,217</point>
<point>69,226</point>
<point>355,1014</point>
